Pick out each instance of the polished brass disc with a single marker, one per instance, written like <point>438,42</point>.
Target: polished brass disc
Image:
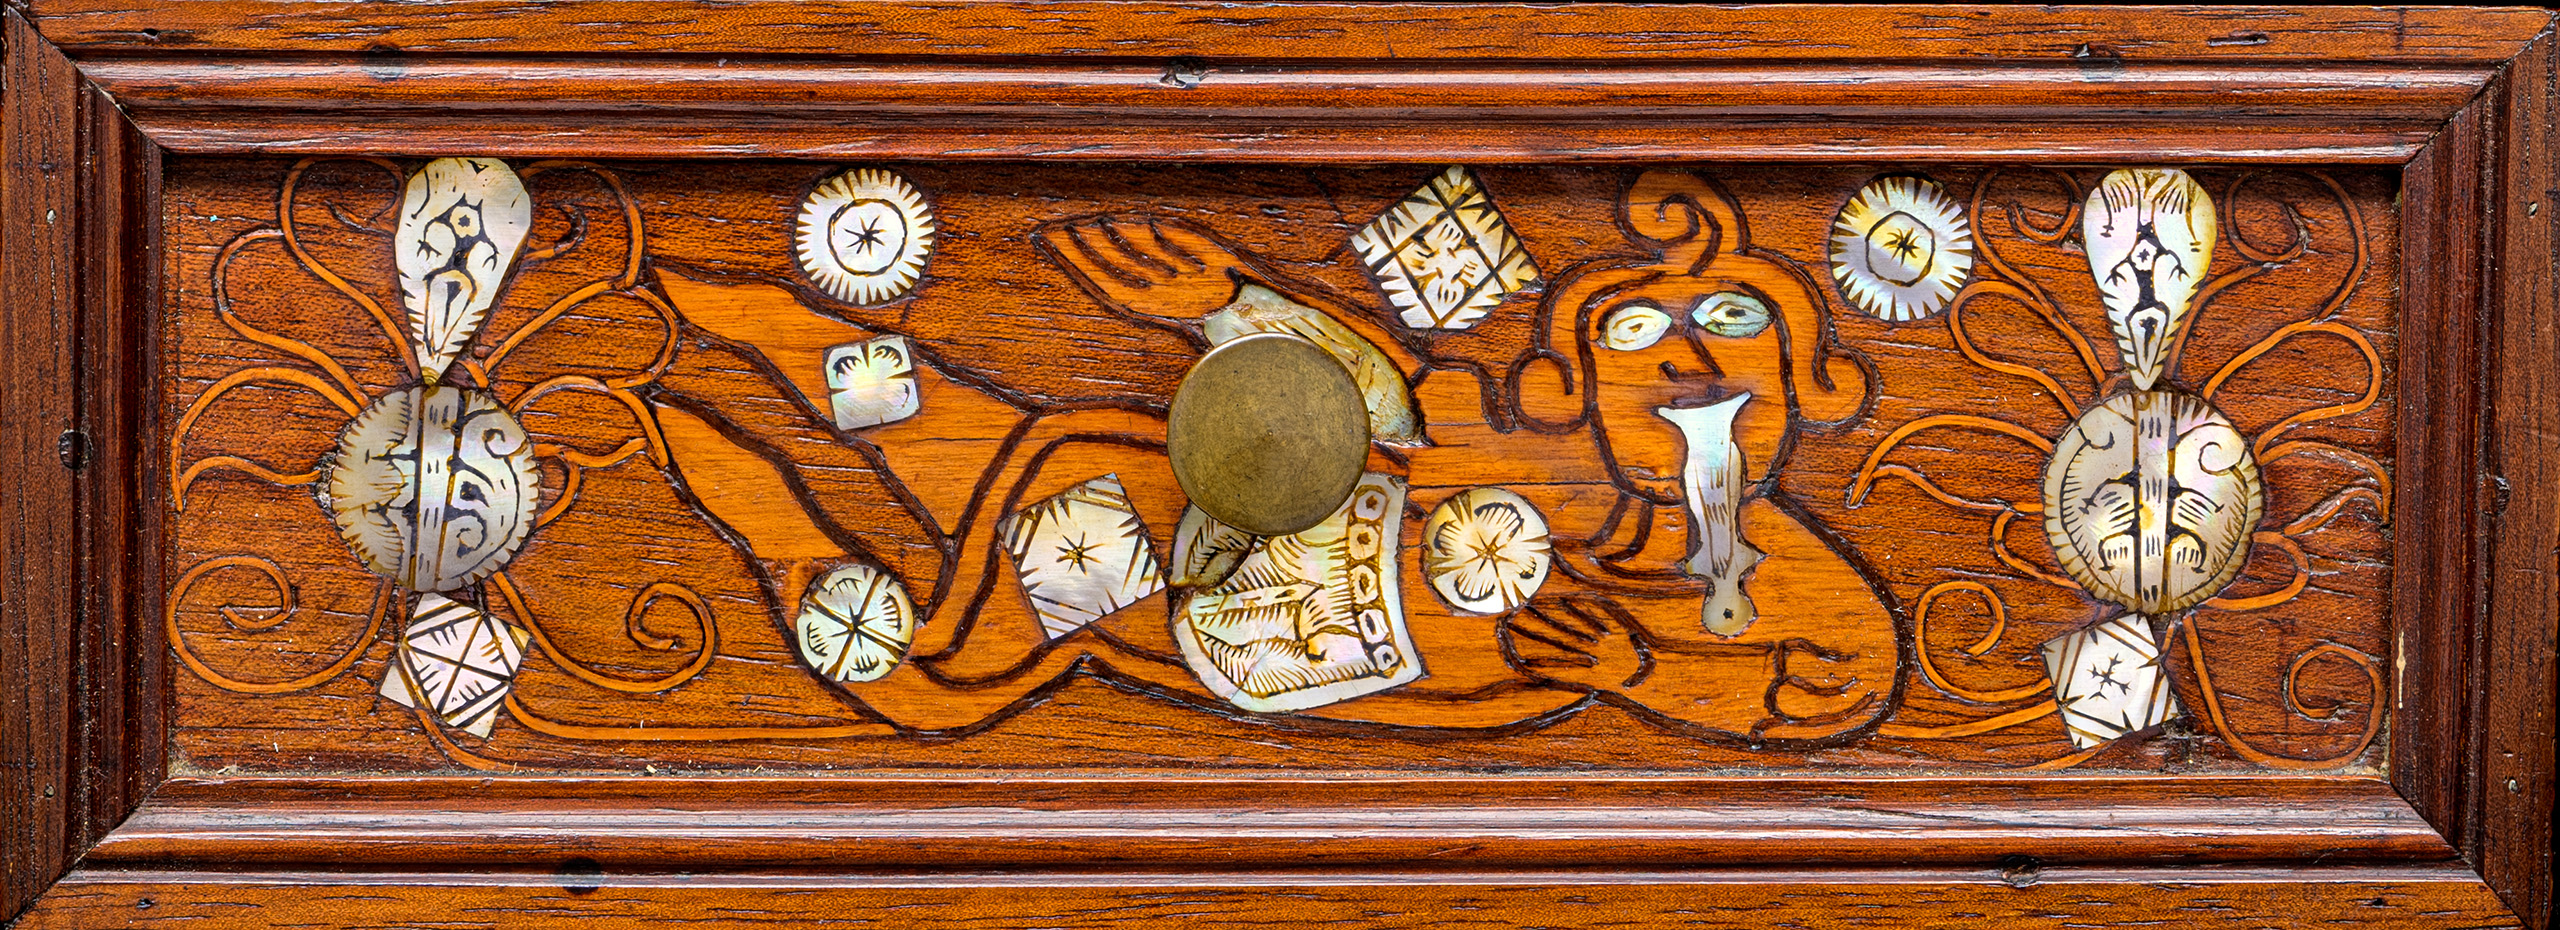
<point>1268,434</point>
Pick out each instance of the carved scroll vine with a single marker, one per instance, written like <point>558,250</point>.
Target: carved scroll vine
<point>271,602</point>
<point>2075,387</point>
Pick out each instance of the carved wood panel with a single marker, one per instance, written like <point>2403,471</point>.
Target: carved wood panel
<point>681,466</point>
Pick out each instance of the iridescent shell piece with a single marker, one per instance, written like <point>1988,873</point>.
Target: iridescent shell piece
<point>1444,257</point>
<point>461,662</point>
<point>1307,619</point>
<point>2150,500</point>
<point>2150,235</point>
<point>855,624</point>
<point>864,235</point>
<point>2109,681</point>
<point>872,382</point>
<point>434,487</point>
<point>1900,248</point>
<point>461,222</point>
<point>1082,555</point>
<point>1485,551</point>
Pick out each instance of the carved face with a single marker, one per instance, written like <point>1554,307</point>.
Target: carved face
<point>1687,342</point>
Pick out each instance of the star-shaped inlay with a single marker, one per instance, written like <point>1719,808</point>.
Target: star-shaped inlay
<point>1903,245</point>
<point>871,236</point>
<point>1077,553</point>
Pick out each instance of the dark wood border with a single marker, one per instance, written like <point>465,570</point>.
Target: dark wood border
<point>2463,100</point>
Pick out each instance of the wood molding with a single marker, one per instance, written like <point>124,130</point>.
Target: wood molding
<point>1301,31</point>
<point>1987,899</point>
<point>2462,99</point>
<point>1365,822</point>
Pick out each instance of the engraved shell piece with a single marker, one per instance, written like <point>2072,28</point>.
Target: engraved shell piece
<point>1307,619</point>
<point>1485,551</point>
<point>2109,681</point>
<point>1444,257</point>
<point>1206,551</point>
<point>462,660</point>
<point>872,382</point>
<point>855,624</point>
<point>864,235</point>
<point>2150,235</point>
<point>1900,248</point>
<point>1082,555</point>
<point>2150,500</point>
<point>433,487</point>
<point>461,222</point>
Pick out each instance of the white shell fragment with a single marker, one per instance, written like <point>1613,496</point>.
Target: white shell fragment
<point>1901,248</point>
<point>864,235</point>
<point>1715,479</point>
<point>461,222</point>
<point>855,624</point>
<point>1485,551</point>
<point>872,382</point>
<point>1205,550</point>
<point>1082,555</point>
<point>2109,682</point>
<point>462,660</point>
<point>1308,619</point>
<point>433,488</point>
<point>1443,256</point>
<point>2150,500</point>
<point>2150,235</point>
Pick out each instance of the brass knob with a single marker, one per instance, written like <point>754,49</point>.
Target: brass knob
<point>1268,434</point>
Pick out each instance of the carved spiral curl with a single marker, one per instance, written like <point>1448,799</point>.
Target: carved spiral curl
<point>288,603</point>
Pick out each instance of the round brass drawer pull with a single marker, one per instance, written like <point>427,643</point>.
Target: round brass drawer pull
<point>1268,434</point>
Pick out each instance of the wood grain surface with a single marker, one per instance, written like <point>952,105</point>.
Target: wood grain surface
<point>295,691</point>
<point>1987,899</point>
<point>2373,745</point>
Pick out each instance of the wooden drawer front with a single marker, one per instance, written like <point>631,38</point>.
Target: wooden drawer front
<point>549,465</point>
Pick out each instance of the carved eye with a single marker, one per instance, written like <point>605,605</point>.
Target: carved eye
<point>1634,326</point>
<point>1731,314</point>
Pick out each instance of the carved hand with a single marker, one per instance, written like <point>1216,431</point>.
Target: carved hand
<point>1585,640</point>
<point>1162,268</point>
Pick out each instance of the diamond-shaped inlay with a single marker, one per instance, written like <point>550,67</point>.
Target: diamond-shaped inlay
<point>1444,257</point>
<point>1082,555</point>
<point>872,382</point>
<point>463,662</point>
<point>2109,681</point>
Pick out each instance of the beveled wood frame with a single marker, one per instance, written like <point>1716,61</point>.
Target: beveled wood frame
<point>2463,101</point>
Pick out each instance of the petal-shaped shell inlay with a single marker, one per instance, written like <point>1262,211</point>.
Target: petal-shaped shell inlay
<point>864,235</point>
<point>1258,309</point>
<point>2150,235</point>
<point>2150,499</point>
<point>433,487</point>
<point>1900,248</point>
<point>1485,551</point>
<point>461,222</point>
<point>855,624</point>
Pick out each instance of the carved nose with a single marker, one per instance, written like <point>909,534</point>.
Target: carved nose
<point>1268,434</point>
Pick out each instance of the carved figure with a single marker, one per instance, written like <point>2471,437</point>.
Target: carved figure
<point>1680,592</point>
